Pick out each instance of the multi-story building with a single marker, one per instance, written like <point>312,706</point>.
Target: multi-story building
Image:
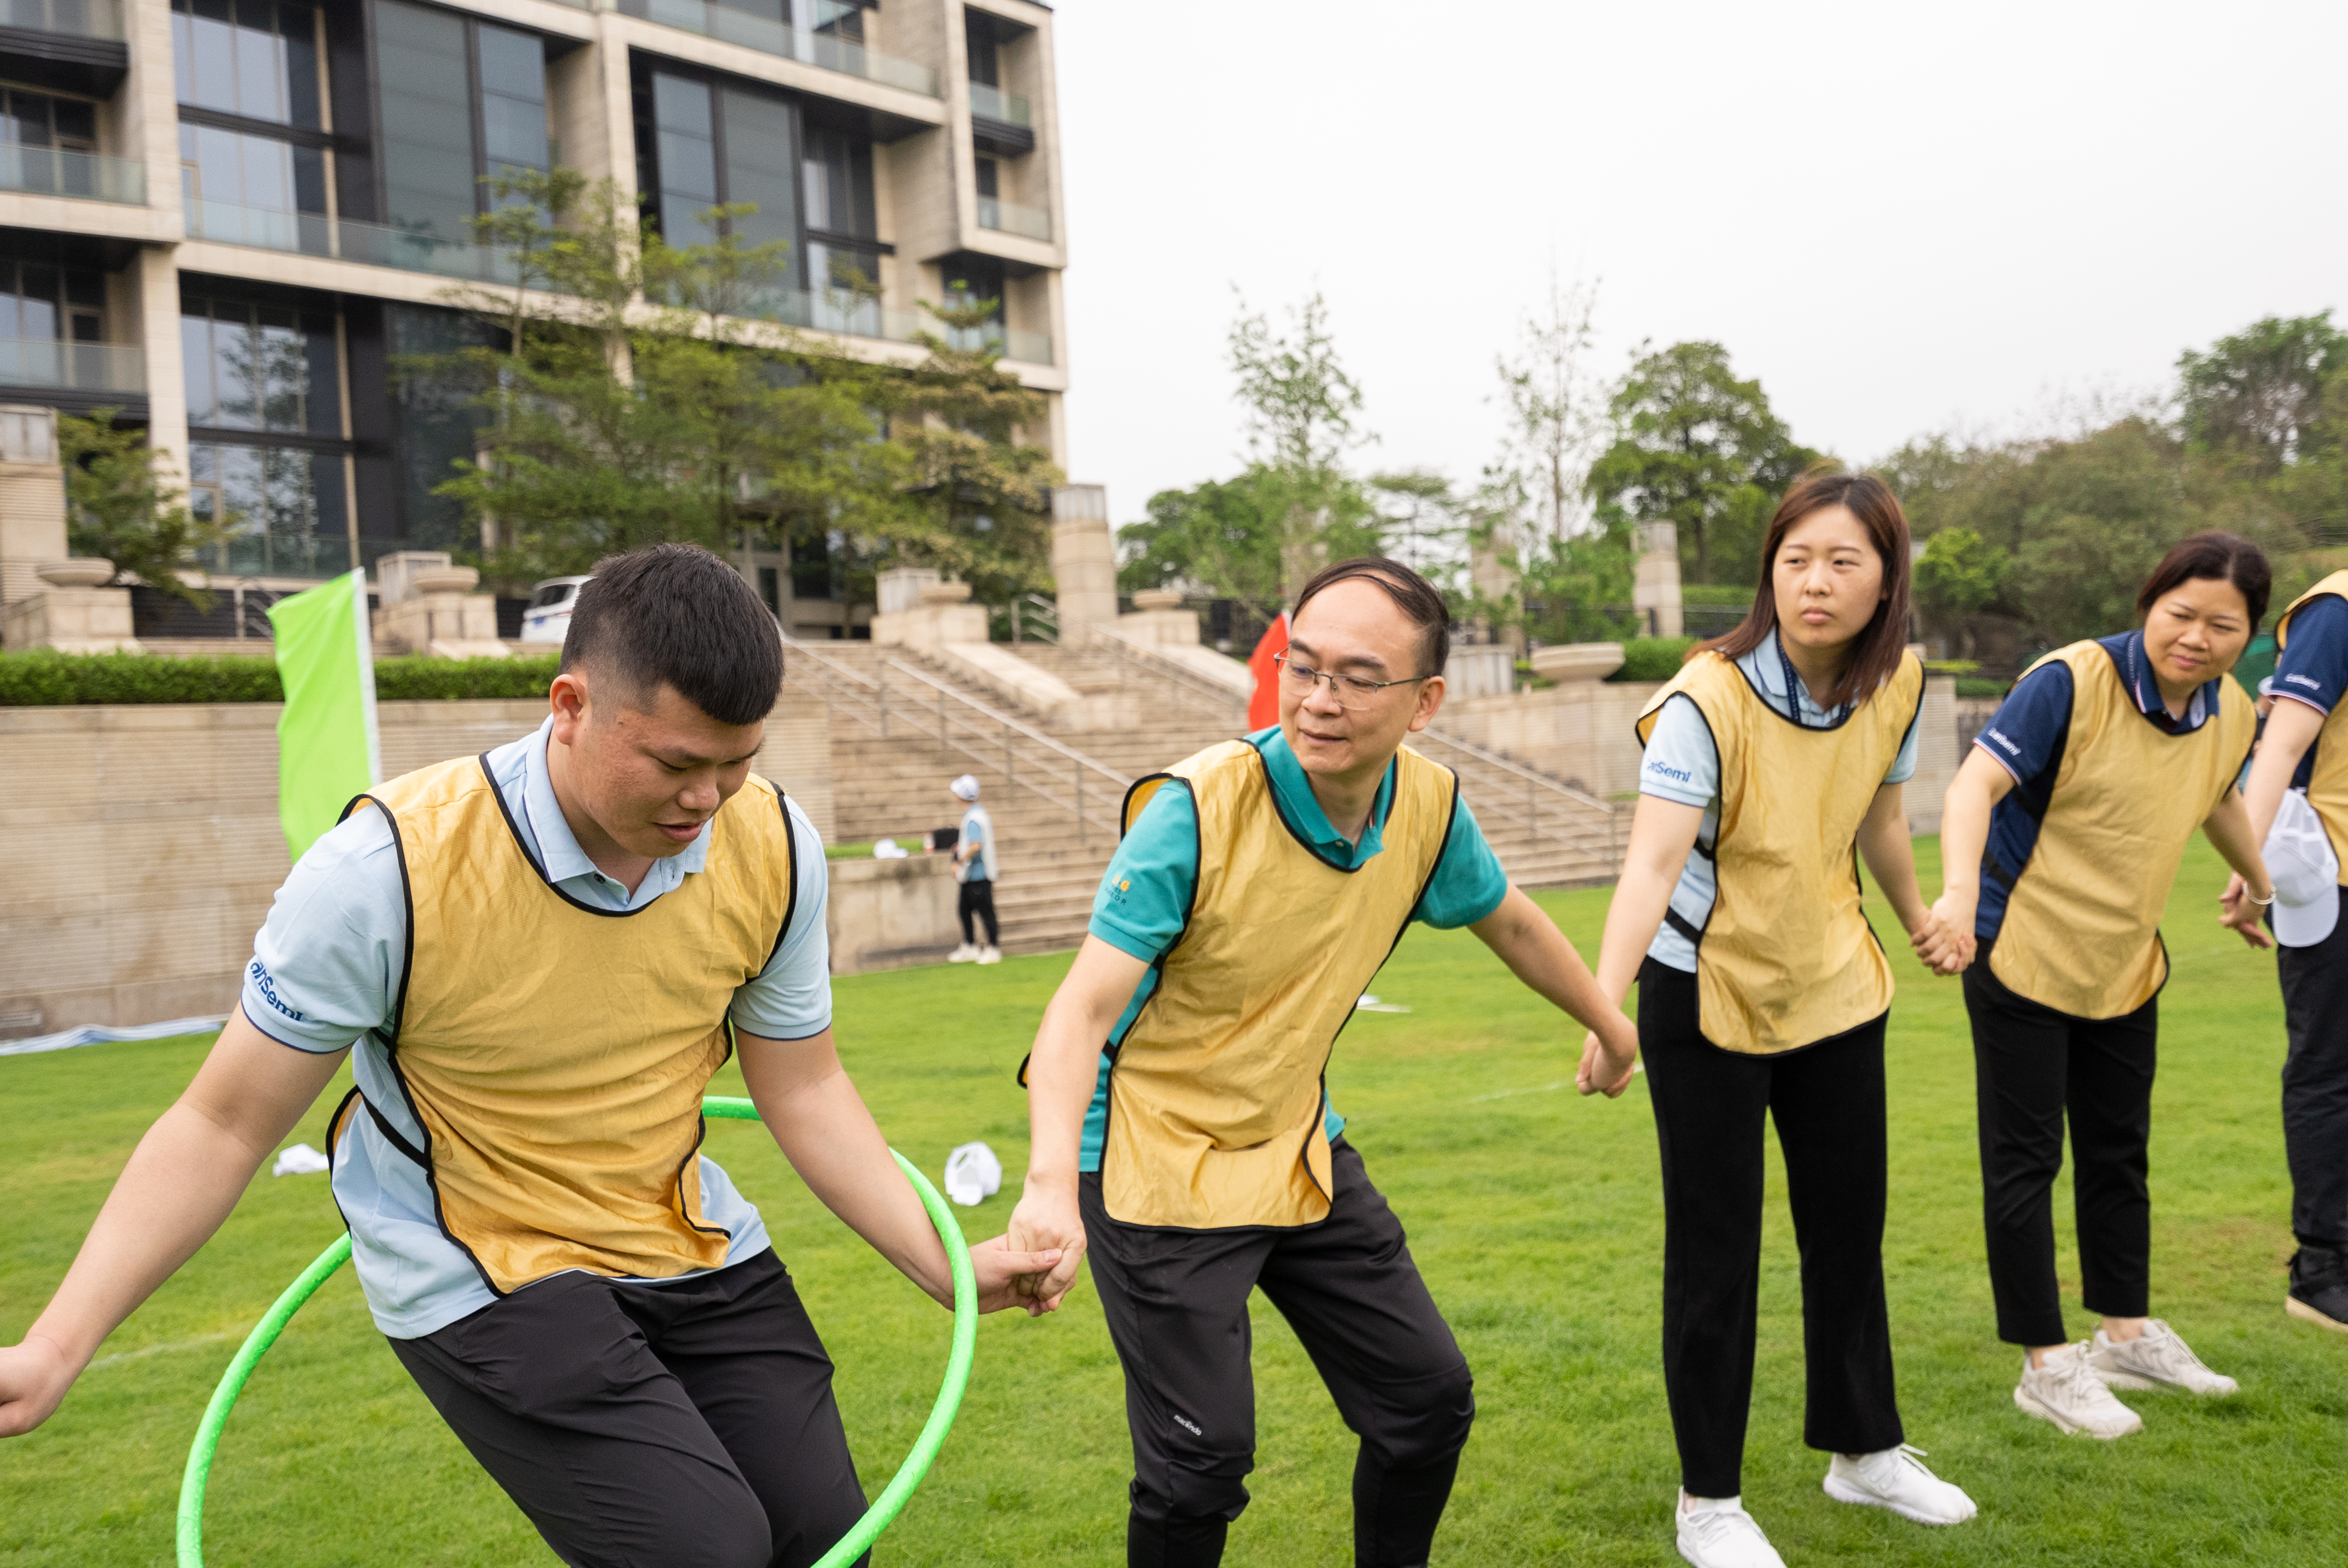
<point>229,218</point>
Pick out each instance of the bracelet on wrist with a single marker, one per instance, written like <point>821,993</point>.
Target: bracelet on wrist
<point>2261,903</point>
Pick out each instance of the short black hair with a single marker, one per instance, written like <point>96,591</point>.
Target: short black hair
<point>2217,557</point>
<point>675,615</point>
<point>1416,598</point>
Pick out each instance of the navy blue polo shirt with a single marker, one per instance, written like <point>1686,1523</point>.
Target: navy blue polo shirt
<point>2026,737</point>
<point>2313,668</point>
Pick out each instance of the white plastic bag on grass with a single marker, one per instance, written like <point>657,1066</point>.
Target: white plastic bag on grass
<point>300,1159</point>
<point>973,1175</point>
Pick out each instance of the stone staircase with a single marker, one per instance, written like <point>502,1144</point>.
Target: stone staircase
<point>1056,811</point>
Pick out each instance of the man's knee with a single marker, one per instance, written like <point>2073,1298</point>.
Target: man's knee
<point>1182,1494</point>
<point>734,1533</point>
<point>1427,1425</point>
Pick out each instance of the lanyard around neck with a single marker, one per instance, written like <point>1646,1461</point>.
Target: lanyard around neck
<point>1794,688</point>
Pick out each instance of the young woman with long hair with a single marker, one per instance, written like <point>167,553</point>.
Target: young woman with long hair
<point>1763,994</point>
<point>2063,833</point>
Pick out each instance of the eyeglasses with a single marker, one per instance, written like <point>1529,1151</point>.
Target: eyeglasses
<point>1351,691</point>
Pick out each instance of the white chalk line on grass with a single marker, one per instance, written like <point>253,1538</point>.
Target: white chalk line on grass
<point>198,1343</point>
<point>103,1034</point>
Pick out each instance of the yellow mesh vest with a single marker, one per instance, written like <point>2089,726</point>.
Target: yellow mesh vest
<point>2327,783</point>
<point>555,1054</point>
<point>1215,1095</point>
<point>1788,958</point>
<point>2082,929</point>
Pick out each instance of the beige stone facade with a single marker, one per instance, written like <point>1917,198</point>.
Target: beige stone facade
<point>139,845</point>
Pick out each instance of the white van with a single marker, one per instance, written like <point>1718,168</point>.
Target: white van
<point>547,618</point>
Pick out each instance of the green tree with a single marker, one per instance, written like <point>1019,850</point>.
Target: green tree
<point>121,503</point>
<point>2267,392</point>
<point>1303,411</point>
<point>1960,574</point>
<point>1227,536</point>
<point>1700,448</point>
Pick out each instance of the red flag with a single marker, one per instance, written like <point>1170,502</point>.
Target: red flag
<point>1263,708</point>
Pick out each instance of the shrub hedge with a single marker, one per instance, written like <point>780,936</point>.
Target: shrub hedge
<point>46,679</point>
<point>1652,658</point>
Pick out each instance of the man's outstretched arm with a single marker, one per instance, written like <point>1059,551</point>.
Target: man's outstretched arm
<point>808,1103</point>
<point>183,1180</point>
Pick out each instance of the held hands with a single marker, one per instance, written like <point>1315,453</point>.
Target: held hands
<point>1006,1276</point>
<point>1048,1227</point>
<point>1944,939</point>
<point>1608,1058</point>
<point>2236,910</point>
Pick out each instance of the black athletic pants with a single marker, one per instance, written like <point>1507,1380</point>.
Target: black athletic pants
<point>1827,1100</point>
<point>978,898</point>
<point>688,1425</point>
<point>1176,1304</point>
<point>2316,1086</point>
<point>2031,1064</point>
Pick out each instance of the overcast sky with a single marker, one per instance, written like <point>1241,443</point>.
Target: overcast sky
<point>1901,217</point>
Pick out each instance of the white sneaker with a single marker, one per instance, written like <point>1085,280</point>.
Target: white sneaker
<point>2067,1393</point>
<point>966,953</point>
<point>1896,1479</point>
<point>2159,1359</point>
<point>990,955</point>
<point>1716,1532</point>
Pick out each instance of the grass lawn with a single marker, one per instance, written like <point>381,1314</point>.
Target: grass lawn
<point>1533,1212</point>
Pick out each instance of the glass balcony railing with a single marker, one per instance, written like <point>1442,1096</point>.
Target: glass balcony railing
<point>825,49</point>
<point>73,366</point>
<point>52,171</point>
<point>993,103</point>
<point>853,315</point>
<point>80,18</point>
<point>376,244</point>
<point>1010,218</point>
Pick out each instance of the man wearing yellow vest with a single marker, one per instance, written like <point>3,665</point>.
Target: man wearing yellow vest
<point>542,955</point>
<point>1181,1130</point>
<point>2301,771</point>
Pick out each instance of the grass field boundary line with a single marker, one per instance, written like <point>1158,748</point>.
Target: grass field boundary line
<point>198,1343</point>
<point>107,1034</point>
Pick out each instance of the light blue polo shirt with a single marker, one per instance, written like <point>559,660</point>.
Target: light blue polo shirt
<point>325,973</point>
<point>1144,901</point>
<point>1682,764</point>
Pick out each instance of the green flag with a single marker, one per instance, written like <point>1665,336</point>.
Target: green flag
<point>326,746</point>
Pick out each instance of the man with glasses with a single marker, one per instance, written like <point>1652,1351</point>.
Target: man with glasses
<point>1180,1126</point>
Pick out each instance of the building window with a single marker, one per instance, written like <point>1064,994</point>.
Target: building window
<point>265,449</point>
<point>704,146</point>
<point>461,100</point>
<point>251,58</point>
<point>976,278</point>
<point>978,44</point>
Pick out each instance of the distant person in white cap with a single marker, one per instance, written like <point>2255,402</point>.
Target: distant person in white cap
<point>2062,836</point>
<point>975,869</point>
<point>2297,795</point>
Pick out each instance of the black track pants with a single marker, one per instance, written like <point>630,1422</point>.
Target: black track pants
<point>977,898</point>
<point>1710,1106</point>
<point>688,1425</point>
<point>2315,1086</point>
<point>1176,1304</point>
<point>2030,1066</point>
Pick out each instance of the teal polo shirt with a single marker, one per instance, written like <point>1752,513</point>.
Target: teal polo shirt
<point>1145,896</point>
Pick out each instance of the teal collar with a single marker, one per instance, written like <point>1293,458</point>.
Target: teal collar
<point>1293,794</point>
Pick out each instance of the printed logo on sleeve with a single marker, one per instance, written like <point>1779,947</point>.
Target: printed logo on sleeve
<point>1116,894</point>
<point>1999,736</point>
<point>1663,771</point>
<point>2306,681</point>
<point>267,987</point>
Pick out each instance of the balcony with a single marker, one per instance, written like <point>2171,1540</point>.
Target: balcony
<point>837,311</point>
<point>100,19</point>
<point>826,50</point>
<point>346,239</point>
<point>1010,218</point>
<point>89,176</point>
<point>98,367</point>
<point>1004,108</point>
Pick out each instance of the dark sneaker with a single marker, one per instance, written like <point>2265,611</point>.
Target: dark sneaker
<point>2318,1287</point>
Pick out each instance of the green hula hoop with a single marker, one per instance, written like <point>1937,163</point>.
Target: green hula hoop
<point>884,1510</point>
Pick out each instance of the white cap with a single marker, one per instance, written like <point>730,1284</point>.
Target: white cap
<point>2306,871</point>
<point>964,787</point>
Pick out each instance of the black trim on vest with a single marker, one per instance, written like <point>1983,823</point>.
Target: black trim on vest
<point>1394,772</point>
<point>335,1125</point>
<point>791,858</point>
<point>690,1156</point>
<point>522,844</point>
